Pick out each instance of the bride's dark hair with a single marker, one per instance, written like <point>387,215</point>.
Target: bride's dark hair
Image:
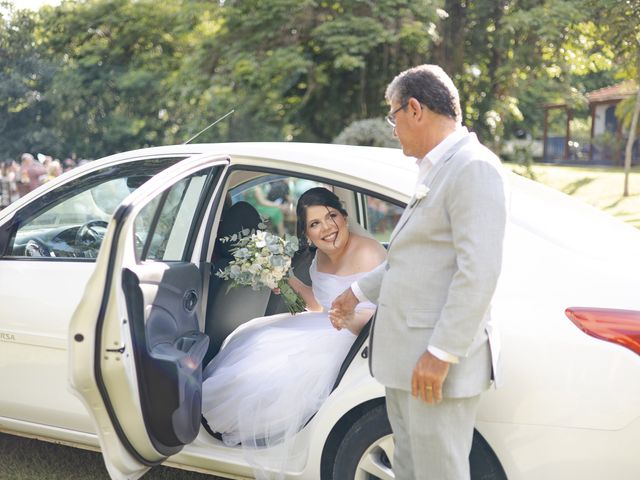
<point>314,197</point>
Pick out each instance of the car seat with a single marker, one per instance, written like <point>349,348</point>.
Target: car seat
<point>229,308</point>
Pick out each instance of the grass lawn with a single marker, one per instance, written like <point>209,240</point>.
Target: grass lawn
<point>601,187</point>
<point>27,459</point>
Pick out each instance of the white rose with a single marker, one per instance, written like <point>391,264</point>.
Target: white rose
<point>267,279</point>
<point>255,268</point>
<point>421,191</point>
<point>260,237</point>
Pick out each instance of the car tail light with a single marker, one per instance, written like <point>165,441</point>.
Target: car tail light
<point>616,326</point>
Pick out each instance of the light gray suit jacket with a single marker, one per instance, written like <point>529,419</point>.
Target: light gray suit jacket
<point>442,266</point>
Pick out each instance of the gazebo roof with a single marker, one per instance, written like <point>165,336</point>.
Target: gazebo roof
<point>615,92</point>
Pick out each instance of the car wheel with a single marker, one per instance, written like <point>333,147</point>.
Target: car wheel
<point>483,461</point>
<point>366,451</point>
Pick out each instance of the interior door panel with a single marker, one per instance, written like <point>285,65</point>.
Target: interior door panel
<point>137,348</point>
<point>162,303</point>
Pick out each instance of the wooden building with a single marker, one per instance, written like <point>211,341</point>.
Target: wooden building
<point>606,142</point>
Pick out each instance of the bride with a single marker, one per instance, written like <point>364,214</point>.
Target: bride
<point>273,373</point>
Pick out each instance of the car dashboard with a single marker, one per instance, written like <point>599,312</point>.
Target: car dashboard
<point>61,241</point>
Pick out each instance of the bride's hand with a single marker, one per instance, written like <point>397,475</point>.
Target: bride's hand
<point>342,309</point>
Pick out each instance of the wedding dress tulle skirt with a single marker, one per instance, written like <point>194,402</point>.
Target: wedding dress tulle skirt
<point>271,376</point>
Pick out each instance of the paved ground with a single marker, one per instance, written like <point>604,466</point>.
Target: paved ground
<point>26,459</point>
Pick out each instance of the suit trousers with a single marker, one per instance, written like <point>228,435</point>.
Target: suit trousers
<point>432,441</point>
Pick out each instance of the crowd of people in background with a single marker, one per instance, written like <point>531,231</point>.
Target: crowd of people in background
<point>17,178</point>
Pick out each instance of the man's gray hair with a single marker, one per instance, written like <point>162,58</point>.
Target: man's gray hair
<point>431,86</point>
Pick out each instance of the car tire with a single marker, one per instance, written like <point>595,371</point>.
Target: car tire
<point>366,450</point>
<point>483,461</point>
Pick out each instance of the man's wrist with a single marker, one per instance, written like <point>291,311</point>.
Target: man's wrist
<point>442,355</point>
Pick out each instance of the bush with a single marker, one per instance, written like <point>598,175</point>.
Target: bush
<point>372,132</point>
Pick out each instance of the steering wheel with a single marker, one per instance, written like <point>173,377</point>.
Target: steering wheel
<point>37,248</point>
<point>88,235</point>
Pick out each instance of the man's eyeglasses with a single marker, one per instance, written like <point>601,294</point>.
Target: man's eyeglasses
<point>391,118</point>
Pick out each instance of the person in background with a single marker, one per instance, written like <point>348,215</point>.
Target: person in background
<point>8,187</point>
<point>68,164</point>
<point>54,169</point>
<point>273,211</point>
<point>30,173</point>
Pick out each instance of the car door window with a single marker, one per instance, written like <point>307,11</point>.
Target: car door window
<point>275,198</point>
<point>163,226</point>
<point>382,217</point>
<point>69,222</point>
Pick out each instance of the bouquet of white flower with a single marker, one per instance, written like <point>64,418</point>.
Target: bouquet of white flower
<point>261,259</point>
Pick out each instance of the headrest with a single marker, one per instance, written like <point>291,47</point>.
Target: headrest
<point>237,217</point>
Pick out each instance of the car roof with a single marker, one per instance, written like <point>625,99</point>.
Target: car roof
<point>387,168</point>
<point>539,209</point>
<point>370,164</point>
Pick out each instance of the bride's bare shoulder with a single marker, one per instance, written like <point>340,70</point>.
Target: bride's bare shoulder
<point>369,250</point>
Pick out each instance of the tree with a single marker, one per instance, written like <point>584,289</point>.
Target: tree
<point>118,74</point>
<point>621,29</point>
<point>509,57</point>
<point>304,70</point>
<point>117,60</point>
<point>633,128</point>
<point>27,74</point>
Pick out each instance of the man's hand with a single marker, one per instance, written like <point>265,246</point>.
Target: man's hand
<point>343,309</point>
<point>428,376</point>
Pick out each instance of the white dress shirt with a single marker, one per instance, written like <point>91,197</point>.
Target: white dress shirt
<point>425,164</point>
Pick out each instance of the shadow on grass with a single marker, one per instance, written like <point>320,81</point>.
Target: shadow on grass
<point>573,187</point>
<point>28,459</point>
<point>614,204</point>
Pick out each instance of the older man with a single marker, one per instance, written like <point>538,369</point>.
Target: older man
<point>432,342</point>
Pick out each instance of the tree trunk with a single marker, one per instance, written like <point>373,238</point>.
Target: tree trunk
<point>630,140</point>
<point>495,90</point>
<point>449,53</point>
<point>363,88</point>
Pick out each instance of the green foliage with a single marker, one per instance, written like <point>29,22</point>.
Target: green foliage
<point>372,132</point>
<point>100,76</point>
<point>116,60</point>
<point>609,144</point>
<point>25,86</point>
<point>523,158</point>
<point>302,70</point>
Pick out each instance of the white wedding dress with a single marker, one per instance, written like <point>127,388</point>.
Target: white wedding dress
<point>273,373</point>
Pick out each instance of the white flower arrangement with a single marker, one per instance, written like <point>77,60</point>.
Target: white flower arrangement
<point>421,192</point>
<point>263,260</point>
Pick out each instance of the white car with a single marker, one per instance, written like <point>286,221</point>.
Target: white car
<point>106,285</point>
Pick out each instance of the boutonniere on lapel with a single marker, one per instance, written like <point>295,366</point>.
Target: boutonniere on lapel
<point>421,192</point>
